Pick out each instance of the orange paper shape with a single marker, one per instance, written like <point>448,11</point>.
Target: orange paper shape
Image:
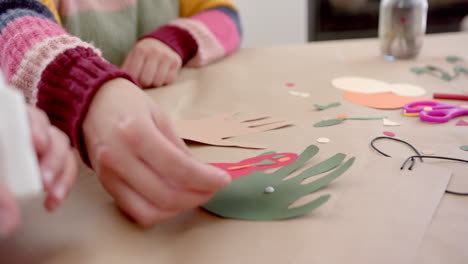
<point>381,100</point>
<point>219,130</point>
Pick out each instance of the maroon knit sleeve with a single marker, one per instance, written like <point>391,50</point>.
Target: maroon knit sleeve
<point>67,87</point>
<point>180,40</point>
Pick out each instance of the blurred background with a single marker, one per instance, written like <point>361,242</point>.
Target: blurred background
<point>276,22</point>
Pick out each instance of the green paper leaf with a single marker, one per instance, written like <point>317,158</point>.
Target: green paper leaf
<point>460,69</point>
<point>331,122</point>
<point>418,70</point>
<point>267,153</point>
<point>453,59</point>
<point>279,156</point>
<point>321,107</point>
<point>246,198</point>
<point>265,162</point>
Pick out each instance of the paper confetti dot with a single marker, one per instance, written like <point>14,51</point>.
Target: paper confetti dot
<point>300,94</point>
<point>323,140</point>
<point>464,148</point>
<point>428,152</point>
<point>342,116</point>
<point>290,84</point>
<point>269,189</point>
<point>462,123</point>
<point>389,134</point>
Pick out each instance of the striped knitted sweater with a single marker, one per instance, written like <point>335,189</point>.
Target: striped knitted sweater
<point>45,45</point>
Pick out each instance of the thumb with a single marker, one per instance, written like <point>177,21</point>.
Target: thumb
<point>9,213</point>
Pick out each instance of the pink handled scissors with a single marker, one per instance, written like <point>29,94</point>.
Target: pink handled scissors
<point>431,111</point>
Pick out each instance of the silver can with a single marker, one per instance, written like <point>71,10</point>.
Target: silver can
<point>402,26</point>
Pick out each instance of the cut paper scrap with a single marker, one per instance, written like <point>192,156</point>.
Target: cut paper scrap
<point>362,85</point>
<point>325,107</point>
<point>323,140</point>
<point>263,162</point>
<point>388,122</point>
<point>441,73</point>
<point>428,152</point>
<point>381,100</point>
<point>372,86</point>
<point>389,134</point>
<point>453,59</point>
<point>337,121</point>
<point>247,199</point>
<point>462,123</point>
<point>464,148</point>
<point>299,94</point>
<point>219,130</point>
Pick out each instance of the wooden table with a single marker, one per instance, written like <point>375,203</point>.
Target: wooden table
<point>89,229</point>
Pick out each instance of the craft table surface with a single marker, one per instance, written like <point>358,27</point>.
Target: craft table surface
<point>89,229</point>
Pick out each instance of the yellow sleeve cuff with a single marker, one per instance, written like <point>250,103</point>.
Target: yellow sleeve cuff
<point>51,6</point>
<point>191,7</point>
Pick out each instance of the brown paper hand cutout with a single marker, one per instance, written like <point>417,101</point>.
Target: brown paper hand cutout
<point>218,130</point>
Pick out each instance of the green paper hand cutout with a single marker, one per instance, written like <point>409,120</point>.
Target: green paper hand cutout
<point>246,198</point>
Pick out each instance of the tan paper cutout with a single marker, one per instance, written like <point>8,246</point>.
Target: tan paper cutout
<point>218,130</point>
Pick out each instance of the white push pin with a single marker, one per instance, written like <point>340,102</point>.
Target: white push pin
<point>269,189</point>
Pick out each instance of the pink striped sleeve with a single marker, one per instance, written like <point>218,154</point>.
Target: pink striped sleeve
<point>222,27</point>
<point>20,36</point>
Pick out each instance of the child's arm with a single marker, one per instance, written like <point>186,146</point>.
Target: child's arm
<point>57,71</point>
<point>138,157</point>
<point>213,24</point>
<point>207,30</point>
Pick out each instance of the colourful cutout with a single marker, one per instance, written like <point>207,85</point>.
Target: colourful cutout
<point>372,86</point>
<point>331,122</point>
<point>219,130</point>
<point>279,156</point>
<point>342,116</point>
<point>334,122</point>
<point>323,140</point>
<point>389,134</point>
<point>464,148</point>
<point>321,107</point>
<point>290,84</point>
<point>453,59</point>
<point>381,100</point>
<point>462,123</point>
<point>246,198</point>
<point>428,152</point>
<point>264,162</point>
<point>300,94</point>
<point>388,122</point>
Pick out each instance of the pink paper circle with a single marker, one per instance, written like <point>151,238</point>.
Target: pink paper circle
<point>389,134</point>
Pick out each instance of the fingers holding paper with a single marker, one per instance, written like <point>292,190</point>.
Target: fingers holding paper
<point>139,158</point>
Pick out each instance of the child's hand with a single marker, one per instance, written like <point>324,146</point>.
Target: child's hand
<point>152,63</point>
<point>56,160</point>
<point>139,158</point>
<point>57,165</point>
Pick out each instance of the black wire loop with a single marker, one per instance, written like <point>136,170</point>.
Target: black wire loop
<point>395,139</point>
<point>412,159</point>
